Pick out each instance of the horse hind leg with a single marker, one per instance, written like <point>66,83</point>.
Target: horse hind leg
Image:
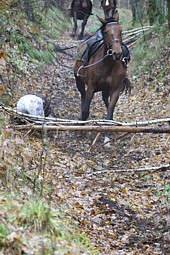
<point>81,35</point>
<point>75,26</point>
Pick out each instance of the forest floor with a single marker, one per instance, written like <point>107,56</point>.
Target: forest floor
<point>122,210</point>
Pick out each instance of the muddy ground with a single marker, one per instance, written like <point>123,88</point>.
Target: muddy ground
<point>123,210</point>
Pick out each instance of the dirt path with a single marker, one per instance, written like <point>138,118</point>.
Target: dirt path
<point>122,212</point>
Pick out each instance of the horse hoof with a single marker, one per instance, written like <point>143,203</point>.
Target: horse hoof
<point>107,142</point>
<point>80,37</point>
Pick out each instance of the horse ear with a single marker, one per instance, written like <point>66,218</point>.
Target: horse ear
<point>101,20</point>
<point>116,16</point>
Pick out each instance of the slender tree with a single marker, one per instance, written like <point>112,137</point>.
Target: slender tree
<point>168,15</point>
<point>138,10</point>
<point>152,11</point>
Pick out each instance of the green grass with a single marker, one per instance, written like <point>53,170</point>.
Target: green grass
<point>31,223</point>
<point>166,192</point>
<point>3,118</point>
<point>3,234</point>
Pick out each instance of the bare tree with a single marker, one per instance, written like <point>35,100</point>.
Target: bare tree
<point>152,10</point>
<point>138,10</point>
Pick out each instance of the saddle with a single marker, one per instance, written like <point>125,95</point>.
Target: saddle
<point>92,48</point>
<point>94,45</point>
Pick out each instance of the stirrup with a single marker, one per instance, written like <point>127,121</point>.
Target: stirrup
<point>125,62</point>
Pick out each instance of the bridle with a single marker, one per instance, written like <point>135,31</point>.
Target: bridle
<point>110,52</point>
<point>114,41</point>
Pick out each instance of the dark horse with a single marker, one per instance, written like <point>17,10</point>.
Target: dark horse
<point>104,72</point>
<point>80,10</point>
<point>109,8</point>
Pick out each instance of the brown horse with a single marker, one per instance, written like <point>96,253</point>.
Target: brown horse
<point>80,10</point>
<point>109,8</point>
<point>104,72</point>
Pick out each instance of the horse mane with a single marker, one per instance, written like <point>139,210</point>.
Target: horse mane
<point>110,19</point>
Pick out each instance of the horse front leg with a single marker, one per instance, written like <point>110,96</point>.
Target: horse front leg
<point>86,106</point>
<point>114,96</point>
<point>82,29</point>
<point>81,88</point>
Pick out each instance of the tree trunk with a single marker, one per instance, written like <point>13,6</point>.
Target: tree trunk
<point>137,8</point>
<point>133,10</point>
<point>161,11</point>
<point>152,11</point>
<point>168,15</point>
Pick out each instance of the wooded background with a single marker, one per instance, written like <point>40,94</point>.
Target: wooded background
<point>142,10</point>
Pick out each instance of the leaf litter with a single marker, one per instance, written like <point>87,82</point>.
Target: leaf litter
<point>122,213</point>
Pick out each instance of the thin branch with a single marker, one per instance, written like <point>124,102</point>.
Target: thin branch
<point>58,121</point>
<point>143,169</point>
<point>94,141</point>
<point>136,29</point>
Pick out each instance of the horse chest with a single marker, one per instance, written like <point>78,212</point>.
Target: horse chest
<point>105,81</point>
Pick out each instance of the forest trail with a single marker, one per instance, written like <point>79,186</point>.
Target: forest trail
<point>122,212</point>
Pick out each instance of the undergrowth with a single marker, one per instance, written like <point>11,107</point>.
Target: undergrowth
<point>30,222</point>
<point>49,229</point>
<point>151,48</point>
<point>33,39</point>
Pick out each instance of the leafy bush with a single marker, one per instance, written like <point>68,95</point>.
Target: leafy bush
<point>149,48</point>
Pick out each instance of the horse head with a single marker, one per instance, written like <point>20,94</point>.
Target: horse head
<point>112,36</point>
<point>109,7</point>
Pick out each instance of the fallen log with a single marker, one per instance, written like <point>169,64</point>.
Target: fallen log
<point>128,129</point>
<point>137,29</point>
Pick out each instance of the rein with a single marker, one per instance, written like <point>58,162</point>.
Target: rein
<point>108,53</point>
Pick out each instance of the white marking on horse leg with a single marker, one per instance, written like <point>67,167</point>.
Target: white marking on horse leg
<point>107,2</point>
